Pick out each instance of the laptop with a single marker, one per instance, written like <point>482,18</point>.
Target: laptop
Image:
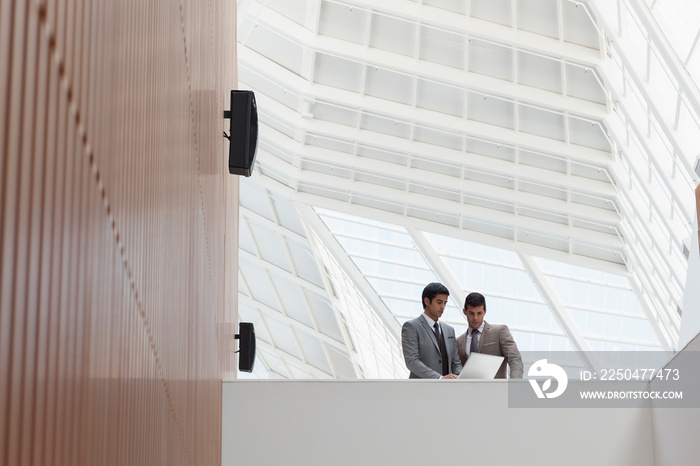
<point>481,366</point>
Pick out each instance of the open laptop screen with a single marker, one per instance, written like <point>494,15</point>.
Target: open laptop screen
<point>481,366</point>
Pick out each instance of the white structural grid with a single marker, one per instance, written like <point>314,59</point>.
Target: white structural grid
<point>539,152</point>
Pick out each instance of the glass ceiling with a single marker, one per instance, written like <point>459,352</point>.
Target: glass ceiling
<point>539,151</point>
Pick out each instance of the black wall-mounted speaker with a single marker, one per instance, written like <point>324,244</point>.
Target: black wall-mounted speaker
<point>246,353</point>
<point>244,132</point>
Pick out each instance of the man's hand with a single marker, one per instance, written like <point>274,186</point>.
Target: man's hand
<point>449,376</point>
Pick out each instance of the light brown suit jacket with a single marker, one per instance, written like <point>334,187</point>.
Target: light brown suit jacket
<point>498,341</point>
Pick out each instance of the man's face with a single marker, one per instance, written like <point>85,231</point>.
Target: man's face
<point>475,315</point>
<point>436,307</point>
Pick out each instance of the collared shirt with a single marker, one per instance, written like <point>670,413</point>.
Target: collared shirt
<point>431,322</point>
<point>478,337</point>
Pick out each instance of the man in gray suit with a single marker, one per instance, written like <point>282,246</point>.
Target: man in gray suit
<point>429,347</point>
<point>486,338</point>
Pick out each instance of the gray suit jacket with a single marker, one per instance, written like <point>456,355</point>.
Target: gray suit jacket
<point>498,341</point>
<point>422,353</point>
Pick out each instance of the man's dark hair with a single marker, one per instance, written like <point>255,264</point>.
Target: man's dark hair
<point>432,290</point>
<point>475,300</point>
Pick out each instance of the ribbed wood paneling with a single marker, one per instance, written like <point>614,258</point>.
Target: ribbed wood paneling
<point>118,231</point>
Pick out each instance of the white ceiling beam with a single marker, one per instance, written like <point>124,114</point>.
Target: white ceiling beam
<point>688,86</point>
<point>418,117</point>
<point>459,194</point>
<point>463,180</point>
<point>345,164</point>
<point>371,302</point>
<point>430,226</point>
<point>313,222</point>
<point>461,79</point>
<point>670,177</point>
<point>313,15</point>
<point>638,219</point>
<point>274,114</point>
<point>463,126</point>
<point>445,20</point>
<point>560,20</point>
<point>559,311</point>
<point>405,200</point>
<point>450,157</point>
<point>446,277</point>
<point>458,79</point>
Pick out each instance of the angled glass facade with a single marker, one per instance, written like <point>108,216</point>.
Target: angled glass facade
<point>541,156</point>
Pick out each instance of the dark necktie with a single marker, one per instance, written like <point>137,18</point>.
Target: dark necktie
<point>474,345</point>
<point>443,349</point>
<point>436,326</point>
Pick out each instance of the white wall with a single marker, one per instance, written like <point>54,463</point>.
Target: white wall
<point>676,430</point>
<point>402,422</point>
<point>690,321</point>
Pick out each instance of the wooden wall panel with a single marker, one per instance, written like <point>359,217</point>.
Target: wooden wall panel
<point>118,231</point>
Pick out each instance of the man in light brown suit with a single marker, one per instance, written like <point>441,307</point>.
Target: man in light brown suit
<point>486,338</point>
